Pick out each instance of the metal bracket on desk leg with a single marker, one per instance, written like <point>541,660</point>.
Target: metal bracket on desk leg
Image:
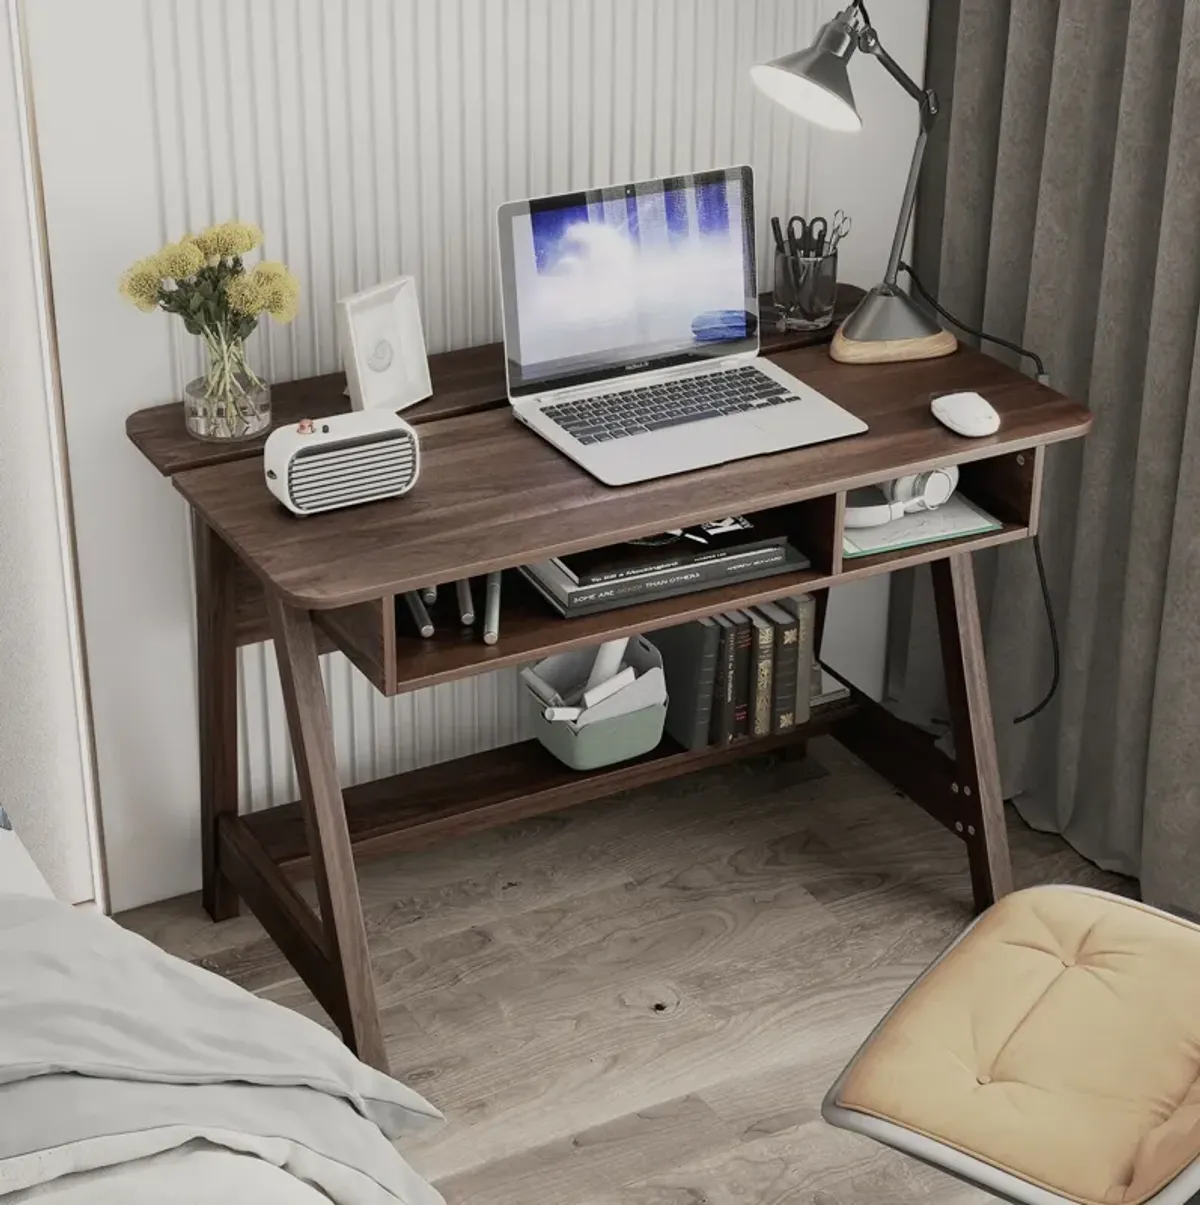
<point>216,674</point>
<point>311,731</point>
<point>981,803</point>
<point>908,757</point>
<point>962,793</point>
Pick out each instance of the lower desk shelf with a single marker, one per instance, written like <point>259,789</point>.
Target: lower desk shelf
<point>454,798</point>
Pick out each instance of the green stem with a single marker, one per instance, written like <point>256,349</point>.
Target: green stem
<point>222,386</point>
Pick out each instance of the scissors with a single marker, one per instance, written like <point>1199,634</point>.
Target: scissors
<point>813,234</point>
<point>840,228</point>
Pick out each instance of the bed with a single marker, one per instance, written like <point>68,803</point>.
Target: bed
<point>119,1084</point>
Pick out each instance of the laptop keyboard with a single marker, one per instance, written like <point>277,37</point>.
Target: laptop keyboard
<point>669,404</point>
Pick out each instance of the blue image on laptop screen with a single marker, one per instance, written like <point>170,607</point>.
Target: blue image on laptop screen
<point>625,278</point>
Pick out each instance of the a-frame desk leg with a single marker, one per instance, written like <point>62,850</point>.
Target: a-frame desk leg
<point>963,792</point>
<point>216,671</point>
<point>981,801</point>
<point>345,934</point>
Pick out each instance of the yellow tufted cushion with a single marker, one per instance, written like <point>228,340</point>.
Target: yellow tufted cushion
<point>1058,1041</point>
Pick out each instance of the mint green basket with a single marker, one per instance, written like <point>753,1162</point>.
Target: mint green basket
<point>604,742</point>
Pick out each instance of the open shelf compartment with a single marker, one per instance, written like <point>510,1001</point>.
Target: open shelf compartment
<point>421,807</point>
<point>379,637</point>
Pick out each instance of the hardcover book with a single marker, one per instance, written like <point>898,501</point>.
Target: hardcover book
<point>689,652</point>
<point>785,666</point>
<point>761,674</point>
<point>685,546</point>
<point>742,670</point>
<point>722,709</point>
<point>568,599</point>
<point>804,607</point>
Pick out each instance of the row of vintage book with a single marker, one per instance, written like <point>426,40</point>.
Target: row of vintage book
<point>746,673</point>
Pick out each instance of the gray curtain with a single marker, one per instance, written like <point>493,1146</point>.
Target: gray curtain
<point>1061,208</point>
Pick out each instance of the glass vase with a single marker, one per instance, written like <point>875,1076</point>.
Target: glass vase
<point>229,402</point>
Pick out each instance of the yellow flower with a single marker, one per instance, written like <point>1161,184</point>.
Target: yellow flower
<point>284,301</point>
<point>246,294</point>
<point>180,260</point>
<point>229,238</point>
<point>141,283</point>
<point>268,289</point>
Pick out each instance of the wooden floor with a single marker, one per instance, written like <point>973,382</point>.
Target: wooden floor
<point>642,1001</point>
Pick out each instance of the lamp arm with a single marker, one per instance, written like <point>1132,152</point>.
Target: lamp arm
<point>906,208</point>
<point>868,43</point>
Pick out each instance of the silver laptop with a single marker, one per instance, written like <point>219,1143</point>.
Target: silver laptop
<point>631,330</point>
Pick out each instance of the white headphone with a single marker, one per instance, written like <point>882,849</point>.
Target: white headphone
<point>905,496</point>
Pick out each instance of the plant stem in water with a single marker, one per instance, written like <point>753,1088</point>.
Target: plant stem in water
<point>227,378</point>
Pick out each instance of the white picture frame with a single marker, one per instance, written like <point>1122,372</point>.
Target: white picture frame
<point>383,346</point>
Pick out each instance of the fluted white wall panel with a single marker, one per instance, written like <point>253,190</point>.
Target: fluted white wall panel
<point>368,138</point>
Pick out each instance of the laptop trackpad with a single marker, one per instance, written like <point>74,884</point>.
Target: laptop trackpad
<point>709,442</point>
<point>804,422</point>
<point>675,450</point>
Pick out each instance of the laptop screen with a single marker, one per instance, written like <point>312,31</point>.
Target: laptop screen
<point>617,280</point>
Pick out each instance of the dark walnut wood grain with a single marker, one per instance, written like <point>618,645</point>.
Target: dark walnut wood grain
<point>216,676</point>
<point>493,495</point>
<point>529,629</point>
<point>345,937</point>
<point>464,381</point>
<point>451,799</point>
<point>978,764</point>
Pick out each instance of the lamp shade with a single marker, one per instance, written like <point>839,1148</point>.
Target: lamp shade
<point>815,82</point>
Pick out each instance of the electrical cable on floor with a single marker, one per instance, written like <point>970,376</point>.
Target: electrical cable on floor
<point>962,326</point>
<point>1054,650</point>
<point>1044,379</point>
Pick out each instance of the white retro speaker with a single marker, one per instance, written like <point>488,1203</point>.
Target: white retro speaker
<point>327,463</point>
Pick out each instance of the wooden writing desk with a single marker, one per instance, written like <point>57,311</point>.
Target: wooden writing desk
<point>493,496</point>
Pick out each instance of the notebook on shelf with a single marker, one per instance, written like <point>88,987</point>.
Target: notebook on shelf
<point>953,519</point>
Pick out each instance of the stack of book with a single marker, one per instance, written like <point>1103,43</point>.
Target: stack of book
<point>737,549</point>
<point>747,673</point>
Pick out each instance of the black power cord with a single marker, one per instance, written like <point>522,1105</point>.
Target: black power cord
<point>962,326</point>
<point>1037,544</point>
<point>1054,650</point>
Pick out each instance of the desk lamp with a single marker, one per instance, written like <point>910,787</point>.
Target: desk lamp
<point>887,324</point>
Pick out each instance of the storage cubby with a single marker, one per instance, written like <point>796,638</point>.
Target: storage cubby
<point>1008,487</point>
<point>380,639</point>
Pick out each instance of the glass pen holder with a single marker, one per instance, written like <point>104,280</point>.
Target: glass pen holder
<point>805,290</point>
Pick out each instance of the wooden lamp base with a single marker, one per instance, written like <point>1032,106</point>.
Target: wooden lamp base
<point>886,326</point>
<point>887,351</point>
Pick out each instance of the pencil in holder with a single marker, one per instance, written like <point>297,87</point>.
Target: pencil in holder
<point>805,290</point>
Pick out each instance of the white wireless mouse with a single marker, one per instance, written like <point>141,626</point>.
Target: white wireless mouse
<point>966,414</point>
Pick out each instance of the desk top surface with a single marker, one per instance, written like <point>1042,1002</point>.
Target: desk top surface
<point>464,382</point>
<point>493,495</point>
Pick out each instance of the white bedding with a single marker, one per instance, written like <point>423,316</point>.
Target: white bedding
<point>196,1174</point>
<point>130,1076</point>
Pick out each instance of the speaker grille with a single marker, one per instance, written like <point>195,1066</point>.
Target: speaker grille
<point>359,470</point>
